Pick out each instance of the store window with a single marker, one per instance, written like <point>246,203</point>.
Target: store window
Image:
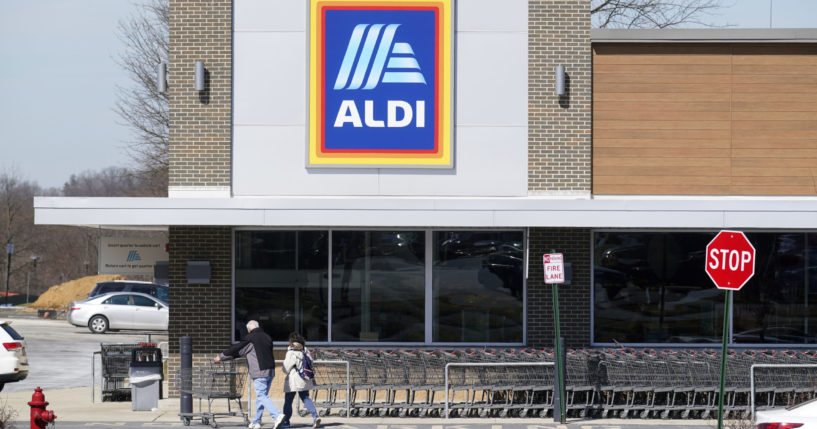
<point>378,286</point>
<point>650,287</point>
<point>281,280</point>
<point>478,286</point>
<point>373,286</point>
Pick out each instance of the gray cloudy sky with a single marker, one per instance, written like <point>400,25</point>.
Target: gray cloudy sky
<point>58,79</point>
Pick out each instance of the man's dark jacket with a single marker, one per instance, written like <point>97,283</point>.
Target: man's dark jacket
<point>257,347</point>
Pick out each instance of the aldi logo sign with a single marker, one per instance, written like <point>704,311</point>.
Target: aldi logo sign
<point>380,83</point>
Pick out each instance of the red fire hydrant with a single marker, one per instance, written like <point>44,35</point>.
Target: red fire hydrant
<point>39,416</point>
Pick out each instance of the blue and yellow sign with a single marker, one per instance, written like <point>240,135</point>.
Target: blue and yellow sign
<point>380,85</point>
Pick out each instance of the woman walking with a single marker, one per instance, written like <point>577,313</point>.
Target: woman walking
<point>294,382</point>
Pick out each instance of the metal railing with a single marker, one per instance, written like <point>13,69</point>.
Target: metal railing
<point>768,365</point>
<point>484,364</point>
<point>322,362</point>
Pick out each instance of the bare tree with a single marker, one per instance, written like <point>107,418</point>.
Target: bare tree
<point>141,106</point>
<point>651,13</point>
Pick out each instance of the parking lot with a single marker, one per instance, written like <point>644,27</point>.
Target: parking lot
<point>60,354</point>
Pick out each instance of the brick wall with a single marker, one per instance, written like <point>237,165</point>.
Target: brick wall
<point>200,124</point>
<point>201,311</point>
<point>574,299</point>
<point>559,139</point>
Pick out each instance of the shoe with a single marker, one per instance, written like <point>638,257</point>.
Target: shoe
<point>317,423</point>
<point>285,424</point>
<point>254,426</point>
<point>278,421</point>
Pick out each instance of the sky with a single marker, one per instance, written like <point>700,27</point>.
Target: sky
<point>58,79</point>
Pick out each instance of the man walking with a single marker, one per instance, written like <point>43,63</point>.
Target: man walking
<point>257,347</point>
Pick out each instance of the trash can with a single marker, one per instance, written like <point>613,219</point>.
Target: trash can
<point>145,378</point>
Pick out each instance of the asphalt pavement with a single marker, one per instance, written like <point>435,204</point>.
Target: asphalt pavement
<point>59,353</point>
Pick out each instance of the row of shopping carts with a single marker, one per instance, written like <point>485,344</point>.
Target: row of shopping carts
<point>599,382</point>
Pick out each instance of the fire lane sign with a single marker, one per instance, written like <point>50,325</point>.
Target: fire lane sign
<point>554,268</point>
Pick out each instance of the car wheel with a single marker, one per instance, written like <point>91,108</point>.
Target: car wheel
<point>98,324</point>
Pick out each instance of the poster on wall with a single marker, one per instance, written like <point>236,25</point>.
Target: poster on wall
<point>380,83</point>
<point>127,255</point>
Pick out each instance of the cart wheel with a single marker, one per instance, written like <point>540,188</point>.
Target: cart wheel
<point>342,412</point>
<point>326,411</point>
<point>685,414</point>
<point>302,413</point>
<point>214,424</point>
<point>583,413</point>
<point>186,421</point>
<point>664,414</point>
<point>403,412</point>
<point>205,421</point>
<point>383,412</point>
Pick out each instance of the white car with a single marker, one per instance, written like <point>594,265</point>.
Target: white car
<point>13,359</point>
<point>119,310</point>
<point>803,416</point>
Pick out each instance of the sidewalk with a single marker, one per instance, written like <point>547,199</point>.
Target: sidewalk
<point>74,405</point>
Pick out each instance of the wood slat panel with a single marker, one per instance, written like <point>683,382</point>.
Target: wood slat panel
<point>772,172</point>
<point>659,144</point>
<point>705,119</point>
<point>724,69</point>
<point>641,59</point>
<point>764,88</point>
<point>647,170</point>
<point>771,79</point>
<point>690,49</point>
<point>718,163</point>
<point>665,125</point>
<point>663,134</point>
<point>773,134</point>
<point>669,88</point>
<point>662,180</point>
<point>775,116</point>
<point>627,152</point>
<point>603,106</point>
<point>773,107</point>
<point>773,162</point>
<point>660,97</point>
<point>661,190</point>
<point>748,97</point>
<point>771,190</point>
<point>658,115</point>
<point>781,69</point>
<point>775,125</point>
<point>775,60</point>
<point>772,181</point>
<point>604,78</point>
<point>776,152</point>
<point>779,144</point>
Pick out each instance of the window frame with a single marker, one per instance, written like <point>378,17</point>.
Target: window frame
<point>428,234</point>
<point>730,343</point>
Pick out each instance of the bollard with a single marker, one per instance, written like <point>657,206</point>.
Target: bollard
<point>186,354</point>
<point>39,416</point>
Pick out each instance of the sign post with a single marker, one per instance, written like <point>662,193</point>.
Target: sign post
<point>730,263</point>
<point>554,275</point>
<point>9,252</point>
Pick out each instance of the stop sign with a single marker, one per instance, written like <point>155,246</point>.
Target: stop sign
<point>730,260</point>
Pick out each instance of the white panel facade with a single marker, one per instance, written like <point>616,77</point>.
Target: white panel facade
<point>270,108</point>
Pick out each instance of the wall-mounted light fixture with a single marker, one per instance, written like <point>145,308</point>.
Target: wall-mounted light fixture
<point>161,77</point>
<point>199,75</point>
<point>198,272</point>
<point>560,80</point>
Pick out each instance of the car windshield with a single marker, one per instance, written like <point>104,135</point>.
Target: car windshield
<point>12,333</point>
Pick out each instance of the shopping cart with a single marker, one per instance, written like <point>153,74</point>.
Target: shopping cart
<point>115,362</point>
<point>223,380</point>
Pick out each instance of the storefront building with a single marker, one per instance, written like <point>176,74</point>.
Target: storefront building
<point>389,173</point>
